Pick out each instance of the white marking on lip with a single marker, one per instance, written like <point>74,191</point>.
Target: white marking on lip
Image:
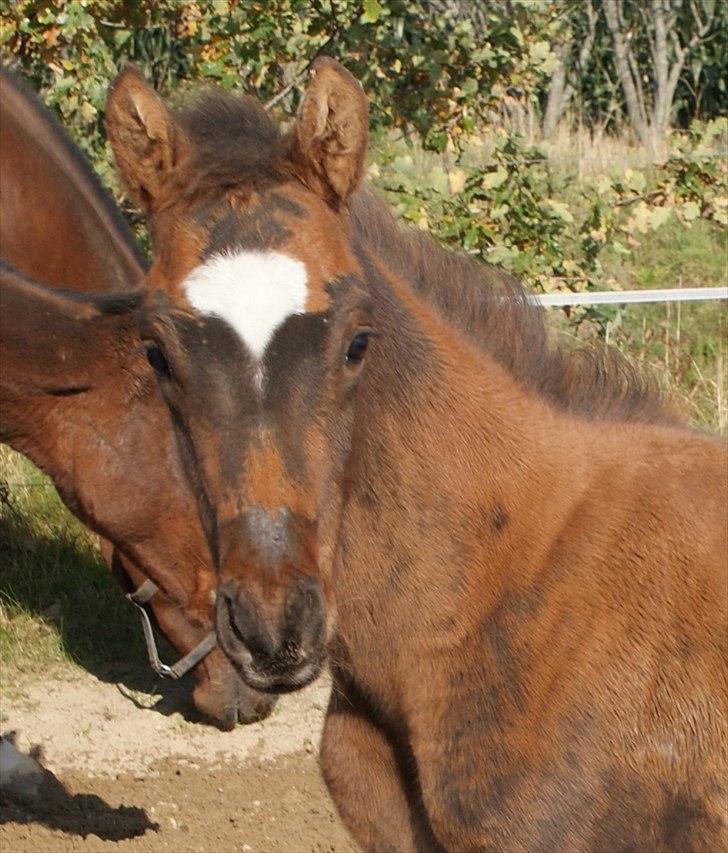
<point>255,292</point>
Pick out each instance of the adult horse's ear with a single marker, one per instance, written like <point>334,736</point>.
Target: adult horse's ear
<point>330,135</point>
<point>146,141</point>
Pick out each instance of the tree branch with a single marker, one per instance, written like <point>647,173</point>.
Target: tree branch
<point>269,104</point>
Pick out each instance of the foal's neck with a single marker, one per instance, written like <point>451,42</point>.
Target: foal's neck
<point>460,477</point>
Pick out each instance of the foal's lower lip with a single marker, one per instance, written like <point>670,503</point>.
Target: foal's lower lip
<point>288,683</point>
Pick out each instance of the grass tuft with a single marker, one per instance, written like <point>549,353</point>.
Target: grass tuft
<point>59,604</point>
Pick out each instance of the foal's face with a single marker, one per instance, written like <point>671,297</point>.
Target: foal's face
<point>258,349</point>
<point>258,329</point>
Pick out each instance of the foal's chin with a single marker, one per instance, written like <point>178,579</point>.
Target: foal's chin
<point>222,697</point>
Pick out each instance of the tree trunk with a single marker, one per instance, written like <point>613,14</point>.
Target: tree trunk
<point>651,121</point>
<point>559,93</point>
<point>662,95</point>
<point>635,104</point>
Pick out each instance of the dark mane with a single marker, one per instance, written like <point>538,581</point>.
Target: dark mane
<point>234,141</point>
<point>493,310</point>
<point>71,161</point>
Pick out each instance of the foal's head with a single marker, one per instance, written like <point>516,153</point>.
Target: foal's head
<point>257,327</point>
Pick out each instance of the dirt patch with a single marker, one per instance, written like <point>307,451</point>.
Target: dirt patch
<point>122,777</point>
<point>278,805</point>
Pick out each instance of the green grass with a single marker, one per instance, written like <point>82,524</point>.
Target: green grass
<point>673,256</point>
<point>59,604</point>
<point>685,343</point>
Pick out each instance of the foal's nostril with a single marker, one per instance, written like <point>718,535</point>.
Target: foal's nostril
<point>247,627</point>
<point>304,614</point>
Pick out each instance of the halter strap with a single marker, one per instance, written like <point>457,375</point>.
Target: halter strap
<point>141,597</point>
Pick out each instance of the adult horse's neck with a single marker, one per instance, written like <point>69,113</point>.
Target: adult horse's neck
<point>57,223</point>
<point>452,461</point>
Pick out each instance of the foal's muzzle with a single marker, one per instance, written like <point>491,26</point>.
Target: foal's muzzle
<point>277,651</point>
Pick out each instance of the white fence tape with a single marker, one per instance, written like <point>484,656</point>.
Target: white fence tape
<point>621,297</point>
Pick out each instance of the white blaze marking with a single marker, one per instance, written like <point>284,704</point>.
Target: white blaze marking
<point>252,291</point>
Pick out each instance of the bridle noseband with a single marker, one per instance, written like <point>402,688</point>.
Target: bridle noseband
<point>140,598</point>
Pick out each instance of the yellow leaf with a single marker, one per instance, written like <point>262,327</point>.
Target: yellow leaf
<point>690,211</point>
<point>456,180</point>
<point>51,35</point>
<point>88,112</point>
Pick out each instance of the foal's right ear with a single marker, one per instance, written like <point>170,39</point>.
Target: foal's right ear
<point>146,141</point>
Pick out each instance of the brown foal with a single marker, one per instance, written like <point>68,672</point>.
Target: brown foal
<point>515,555</point>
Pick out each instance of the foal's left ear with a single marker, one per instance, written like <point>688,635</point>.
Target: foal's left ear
<point>146,141</point>
<point>331,132</point>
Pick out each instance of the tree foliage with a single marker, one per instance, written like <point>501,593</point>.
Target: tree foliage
<point>511,211</point>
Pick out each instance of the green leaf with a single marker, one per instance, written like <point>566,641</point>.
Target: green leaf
<point>121,37</point>
<point>559,209</point>
<point>502,254</point>
<point>603,184</point>
<point>493,180</point>
<point>469,87</point>
<point>635,180</point>
<point>540,51</point>
<point>659,215</point>
<point>372,12</point>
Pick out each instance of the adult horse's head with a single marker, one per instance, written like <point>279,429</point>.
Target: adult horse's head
<point>257,327</point>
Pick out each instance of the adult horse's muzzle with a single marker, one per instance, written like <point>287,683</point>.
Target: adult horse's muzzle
<point>278,647</point>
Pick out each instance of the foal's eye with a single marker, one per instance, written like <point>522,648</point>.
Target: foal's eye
<point>157,361</point>
<point>357,348</point>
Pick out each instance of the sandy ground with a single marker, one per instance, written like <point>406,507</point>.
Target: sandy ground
<point>127,771</point>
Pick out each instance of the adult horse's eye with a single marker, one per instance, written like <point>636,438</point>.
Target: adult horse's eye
<point>158,362</point>
<point>357,348</point>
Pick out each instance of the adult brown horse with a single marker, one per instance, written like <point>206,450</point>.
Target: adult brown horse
<point>516,555</point>
<point>76,395</point>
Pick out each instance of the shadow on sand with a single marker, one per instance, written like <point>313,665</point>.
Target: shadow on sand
<point>53,572</point>
<point>80,814</point>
